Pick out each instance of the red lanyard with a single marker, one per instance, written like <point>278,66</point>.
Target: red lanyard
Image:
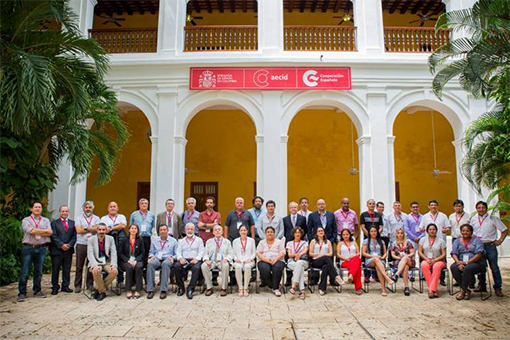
<point>255,211</point>
<point>113,220</point>
<point>434,218</point>
<point>298,247</point>
<point>458,219</point>
<point>189,245</point>
<point>239,216</point>
<point>162,244</point>
<point>466,245</point>
<point>169,217</point>
<point>66,226</point>
<point>401,247</point>
<point>320,246</point>
<point>144,216</point>
<point>346,215</point>
<point>323,217</point>
<point>243,246</point>
<point>417,220</point>
<point>375,246</point>
<point>88,222</point>
<point>218,244</point>
<point>101,245</point>
<point>270,219</point>
<point>132,244</point>
<point>398,218</point>
<point>348,246</point>
<point>36,224</point>
<point>372,217</point>
<point>431,244</point>
<point>481,222</point>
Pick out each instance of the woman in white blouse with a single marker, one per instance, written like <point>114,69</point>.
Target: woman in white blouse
<point>270,253</point>
<point>432,252</point>
<point>244,260</point>
<point>348,253</point>
<point>297,251</point>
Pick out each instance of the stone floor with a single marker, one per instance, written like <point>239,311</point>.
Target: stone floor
<point>262,316</point>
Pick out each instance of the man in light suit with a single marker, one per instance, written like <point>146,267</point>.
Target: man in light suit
<point>62,244</point>
<point>218,254</point>
<point>102,255</point>
<point>171,219</point>
<point>323,218</point>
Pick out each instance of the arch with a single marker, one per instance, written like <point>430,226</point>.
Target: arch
<point>454,111</point>
<point>143,104</point>
<point>337,99</point>
<point>197,102</point>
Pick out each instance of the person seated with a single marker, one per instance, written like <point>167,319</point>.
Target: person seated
<point>467,252</point>
<point>402,253</point>
<point>102,256</point>
<point>218,254</point>
<point>270,253</point>
<point>162,255</point>
<point>297,251</point>
<point>131,253</point>
<point>244,260</point>
<point>374,251</point>
<point>349,255</point>
<point>321,255</point>
<point>432,253</point>
<point>190,251</point>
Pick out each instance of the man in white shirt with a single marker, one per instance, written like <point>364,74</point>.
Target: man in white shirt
<point>86,226</point>
<point>190,251</point>
<point>116,227</point>
<point>218,254</point>
<point>486,227</point>
<point>395,220</point>
<point>458,218</point>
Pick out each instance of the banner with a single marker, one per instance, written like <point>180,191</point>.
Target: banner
<point>270,78</point>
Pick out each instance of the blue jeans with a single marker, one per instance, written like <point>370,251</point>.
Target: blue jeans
<point>36,256</point>
<point>491,253</point>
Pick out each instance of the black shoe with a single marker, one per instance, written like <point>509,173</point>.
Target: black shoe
<point>406,291</point>
<point>395,278</point>
<point>480,289</point>
<point>456,284</point>
<point>150,295</point>
<point>94,294</point>
<point>54,291</point>
<point>77,290</point>
<point>66,290</point>
<point>215,283</point>
<point>189,294</point>
<point>442,283</point>
<point>472,285</point>
<point>263,284</point>
<point>101,297</point>
<point>21,297</point>
<point>162,295</point>
<point>180,291</point>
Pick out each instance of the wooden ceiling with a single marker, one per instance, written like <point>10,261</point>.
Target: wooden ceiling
<point>119,7</point>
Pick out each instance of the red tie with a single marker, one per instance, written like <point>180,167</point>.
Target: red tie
<point>66,226</point>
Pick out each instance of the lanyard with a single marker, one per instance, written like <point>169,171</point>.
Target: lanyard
<point>162,244</point>
<point>113,220</point>
<point>375,246</point>
<point>461,216</point>
<point>434,218</point>
<point>169,217</point>
<point>36,224</point>
<point>144,216</point>
<point>101,245</point>
<point>417,220</point>
<point>270,219</point>
<point>345,215</point>
<point>239,216</point>
<point>218,244</point>
<point>431,244</point>
<point>257,214</point>
<point>348,246</point>
<point>243,246</point>
<point>320,246</point>
<point>481,221</point>
<point>190,244</point>
<point>323,218</point>
<point>398,218</point>
<point>298,247</point>
<point>132,244</point>
<point>88,222</point>
<point>66,226</point>
<point>372,217</point>
<point>466,245</point>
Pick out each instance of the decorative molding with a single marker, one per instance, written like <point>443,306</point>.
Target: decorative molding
<point>364,140</point>
<point>180,140</point>
<point>259,139</point>
<point>391,139</point>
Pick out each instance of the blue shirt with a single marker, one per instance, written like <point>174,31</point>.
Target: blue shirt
<point>475,246</point>
<point>256,214</point>
<point>163,249</point>
<point>146,223</point>
<point>412,226</point>
<point>190,218</point>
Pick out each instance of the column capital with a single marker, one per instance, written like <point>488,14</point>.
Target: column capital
<point>284,139</point>
<point>181,140</point>
<point>259,139</point>
<point>154,139</point>
<point>167,90</point>
<point>363,140</point>
<point>376,91</point>
<point>391,139</point>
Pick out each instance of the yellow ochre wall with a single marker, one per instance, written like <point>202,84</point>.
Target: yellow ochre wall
<point>221,147</point>
<point>136,20</point>
<point>414,160</point>
<point>134,167</point>
<point>319,159</point>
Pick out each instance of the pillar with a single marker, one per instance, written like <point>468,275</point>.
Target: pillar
<point>270,26</point>
<point>370,29</point>
<point>172,19</point>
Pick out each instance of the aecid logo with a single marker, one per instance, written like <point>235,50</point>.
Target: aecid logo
<point>310,78</point>
<point>260,78</point>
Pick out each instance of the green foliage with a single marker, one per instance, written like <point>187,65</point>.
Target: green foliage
<point>10,249</point>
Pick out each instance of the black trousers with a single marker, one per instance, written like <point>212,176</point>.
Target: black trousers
<point>325,263</point>
<point>133,275</point>
<point>63,261</point>
<point>119,236</point>
<point>181,271</point>
<point>271,274</point>
<point>81,257</point>
<point>467,275</point>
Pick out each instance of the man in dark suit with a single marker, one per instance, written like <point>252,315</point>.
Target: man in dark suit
<point>62,244</point>
<point>323,218</point>
<point>293,220</point>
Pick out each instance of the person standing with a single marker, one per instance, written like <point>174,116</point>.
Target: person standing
<point>116,228</point>
<point>396,220</point>
<point>385,235</point>
<point>146,220</point>
<point>36,234</point>
<point>458,218</point>
<point>371,218</point>
<point>324,219</point>
<point>63,239</point>
<point>170,218</point>
<point>346,218</point>
<point>270,219</point>
<point>208,219</point>
<point>256,211</point>
<point>486,227</point>
<point>190,215</point>
<point>303,203</point>
<point>86,226</point>
<point>413,229</point>
<point>236,218</point>
<point>293,220</point>
<point>436,217</point>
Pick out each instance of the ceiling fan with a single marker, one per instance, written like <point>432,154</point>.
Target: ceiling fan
<point>112,19</point>
<point>435,172</point>
<point>191,19</point>
<point>344,18</point>
<point>423,19</point>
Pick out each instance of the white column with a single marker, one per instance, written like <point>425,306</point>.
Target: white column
<point>172,19</point>
<point>369,22</point>
<point>179,172</point>
<point>454,5</point>
<point>365,170</point>
<point>84,9</point>
<point>66,194</point>
<point>391,167</point>
<point>270,26</point>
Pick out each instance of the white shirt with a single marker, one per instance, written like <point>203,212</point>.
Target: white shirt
<point>190,249</point>
<point>113,221</point>
<point>392,224</point>
<point>486,227</point>
<point>85,222</point>
<point>305,214</point>
<point>441,221</point>
<point>455,222</point>
<point>241,253</point>
<point>385,231</point>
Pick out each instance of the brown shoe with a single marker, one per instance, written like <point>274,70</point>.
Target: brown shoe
<point>460,295</point>
<point>40,294</point>
<point>499,292</point>
<point>209,292</point>
<point>223,292</point>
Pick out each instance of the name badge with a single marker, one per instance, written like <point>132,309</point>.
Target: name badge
<point>132,258</point>
<point>430,255</point>
<point>239,224</point>
<point>465,257</point>
<point>160,255</point>
<point>209,230</point>
<point>143,228</point>
<point>267,255</point>
<point>345,225</point>
<point>38,237</point>
<point>102,260</point>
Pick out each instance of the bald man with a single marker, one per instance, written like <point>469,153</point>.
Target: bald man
<point>323,218</point>
<point>115,226</point>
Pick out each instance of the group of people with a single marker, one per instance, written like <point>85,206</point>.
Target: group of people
<point>258,239</point>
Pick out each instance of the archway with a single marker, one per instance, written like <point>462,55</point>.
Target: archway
<point>132,177</point>
<point>425,162</point>
<point>323,157</point>
<point>221,157</point>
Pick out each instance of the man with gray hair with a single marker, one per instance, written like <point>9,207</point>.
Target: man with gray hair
<point>86,225</point>
<point>190,215</point>
<point>145,220</point>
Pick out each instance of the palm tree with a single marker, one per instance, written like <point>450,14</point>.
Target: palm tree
<point>481,62</point>
<point>55,104</point>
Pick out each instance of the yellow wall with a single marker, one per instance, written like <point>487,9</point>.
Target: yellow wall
<point>319,158</point>
<point>132,21</point>
<point>221,147</point>
<point>414,160</point>
<point>134,167</point>
<point>402,20</point>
